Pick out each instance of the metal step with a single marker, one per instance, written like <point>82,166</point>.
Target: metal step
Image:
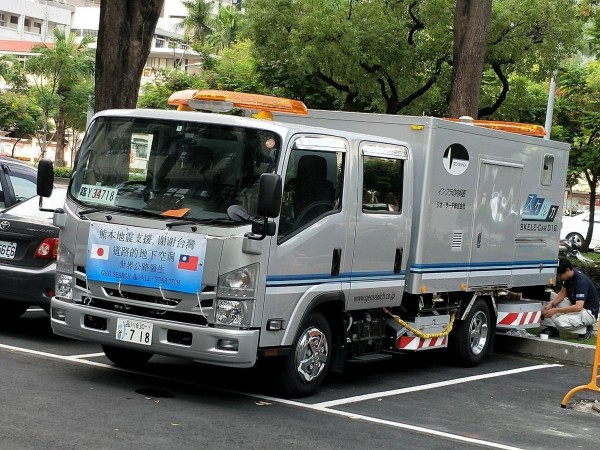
<point>374,357</point>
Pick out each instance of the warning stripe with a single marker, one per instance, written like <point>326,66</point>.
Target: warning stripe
<point>417,343</point>
<point>517,319</point>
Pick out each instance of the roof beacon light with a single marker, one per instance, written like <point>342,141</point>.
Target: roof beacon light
<point>214,100</point>
<point>511,127</point>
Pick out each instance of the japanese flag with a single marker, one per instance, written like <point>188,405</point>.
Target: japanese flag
<point>99,251</point>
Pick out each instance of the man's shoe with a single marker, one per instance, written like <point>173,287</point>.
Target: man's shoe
<point>551,332</point>
<point>588,332</point>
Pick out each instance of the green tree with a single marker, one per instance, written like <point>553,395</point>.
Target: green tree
<point>78,105</point>
<point>58,67</point>
<point>13,73</point>
<point>392,56</point>
<point>19,115</point>
<point>578,113</point>
<point>233,70</point>
<point>156,94</point>
<point>197,25</point>
<point>225,27</point>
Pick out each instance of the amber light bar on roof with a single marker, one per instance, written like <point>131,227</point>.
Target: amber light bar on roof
<point>215,100</point>
<point>511,127</point>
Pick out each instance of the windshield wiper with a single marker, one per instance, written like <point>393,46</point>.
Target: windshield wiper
<point>119,209</point>
<point>192,222</point>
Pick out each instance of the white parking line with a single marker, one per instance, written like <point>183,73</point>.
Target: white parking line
<point>423,387</point>
<point>74,358</point>
<point>88,355</point>
<point>325,407</point>
<point>404,426</point>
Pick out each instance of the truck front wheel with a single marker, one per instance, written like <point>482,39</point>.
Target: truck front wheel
<point>124,357</point>
<point>471,339</point>
<point>304,369</point>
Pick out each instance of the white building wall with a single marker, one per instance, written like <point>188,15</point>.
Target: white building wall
<point>48,15</point>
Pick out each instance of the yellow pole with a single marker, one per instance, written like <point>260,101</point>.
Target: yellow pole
<point>592,385</point>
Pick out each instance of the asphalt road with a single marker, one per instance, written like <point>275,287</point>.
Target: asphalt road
<point>62,394</point>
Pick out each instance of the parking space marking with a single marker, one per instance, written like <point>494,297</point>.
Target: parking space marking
<point>423,387</point>
<point>390,423</point>
<point>88,355</point>
<point>75,358</point>
<point>324,407</point>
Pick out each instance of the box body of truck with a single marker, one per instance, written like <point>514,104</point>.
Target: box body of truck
<point>403,238</point>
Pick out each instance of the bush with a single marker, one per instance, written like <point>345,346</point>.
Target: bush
<point>591,270</point>
<point>62,172</point>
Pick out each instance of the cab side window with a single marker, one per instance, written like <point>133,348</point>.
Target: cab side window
<point>383,178</point>
<point>312,188</point>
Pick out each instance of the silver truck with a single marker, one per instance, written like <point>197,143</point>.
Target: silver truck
<point>315,240</point>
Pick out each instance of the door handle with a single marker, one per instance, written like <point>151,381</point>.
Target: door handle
<point>398,260</point>
<point>336,261</point>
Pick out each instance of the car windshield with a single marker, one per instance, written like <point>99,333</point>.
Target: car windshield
<point>189,170</point>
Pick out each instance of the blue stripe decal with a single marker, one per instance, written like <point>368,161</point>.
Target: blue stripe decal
<point>481,266</point>
<point>321,278</point>
<point>312,279</point>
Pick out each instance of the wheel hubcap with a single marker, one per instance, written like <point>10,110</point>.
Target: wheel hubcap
<point>478,332</point>
<point>312,352</point>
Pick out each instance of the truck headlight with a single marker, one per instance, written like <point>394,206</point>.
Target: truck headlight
<point>64,285</point>
<point>235,296</point>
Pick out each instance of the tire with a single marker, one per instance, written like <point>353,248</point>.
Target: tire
<point>576,238</point>
<point>10,310</point>
<point>471,339</point>
<point>306,366</point>
<point>124,357</point>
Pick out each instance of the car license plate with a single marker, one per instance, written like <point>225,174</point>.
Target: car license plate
<point>8,249</point>
<point>134,331</point>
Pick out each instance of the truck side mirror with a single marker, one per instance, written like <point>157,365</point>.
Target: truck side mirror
<point>45,178</point>
<point>270,191</point>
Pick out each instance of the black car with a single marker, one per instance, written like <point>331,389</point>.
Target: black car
<point>28,247</point>
<point>17,182</point>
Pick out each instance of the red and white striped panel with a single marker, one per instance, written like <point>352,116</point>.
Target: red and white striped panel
<point>417,343</point>
<point>514,319</point>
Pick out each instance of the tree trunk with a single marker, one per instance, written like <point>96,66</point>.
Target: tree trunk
<point>471,28</point>
<point>59,157</point>
<point>124,40</point>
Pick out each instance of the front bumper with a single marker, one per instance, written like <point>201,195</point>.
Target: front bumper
<point>203,346</point>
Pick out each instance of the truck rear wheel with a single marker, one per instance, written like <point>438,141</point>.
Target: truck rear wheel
<point>124,357</point>
<point>305,367</point>
<point>471,339</point>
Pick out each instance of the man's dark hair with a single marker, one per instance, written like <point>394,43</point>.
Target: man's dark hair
<point>563,265</point>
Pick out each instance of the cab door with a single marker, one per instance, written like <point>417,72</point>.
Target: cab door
<point>309,260</point>
<point>382,227</point>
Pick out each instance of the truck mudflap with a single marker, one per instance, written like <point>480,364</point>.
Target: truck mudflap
<point>518,314</point>
<point>424,333</point>
<point>96,325</point>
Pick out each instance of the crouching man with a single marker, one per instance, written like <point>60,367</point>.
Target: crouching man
<point>575,307</point>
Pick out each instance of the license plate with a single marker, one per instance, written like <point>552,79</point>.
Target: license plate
<point>134,331</point>
<point>7,249</point>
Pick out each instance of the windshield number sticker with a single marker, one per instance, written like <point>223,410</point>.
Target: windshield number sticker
<point>98,194</point>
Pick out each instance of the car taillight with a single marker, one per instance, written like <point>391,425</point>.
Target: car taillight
<point>47,249</point>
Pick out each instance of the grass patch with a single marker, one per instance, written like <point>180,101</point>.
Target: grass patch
<point>565,336</point>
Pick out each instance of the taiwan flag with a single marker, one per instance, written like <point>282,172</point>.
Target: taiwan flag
<point>187,262</point>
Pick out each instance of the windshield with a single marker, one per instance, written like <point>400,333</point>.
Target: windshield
<point>188,170</point>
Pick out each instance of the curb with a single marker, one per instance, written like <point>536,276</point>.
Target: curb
<point>568,352</point>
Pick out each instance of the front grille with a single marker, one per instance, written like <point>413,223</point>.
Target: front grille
<point>151,313</point>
